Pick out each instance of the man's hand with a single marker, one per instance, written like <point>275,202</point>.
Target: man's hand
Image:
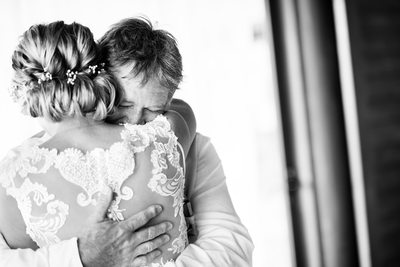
<point>108,243</point>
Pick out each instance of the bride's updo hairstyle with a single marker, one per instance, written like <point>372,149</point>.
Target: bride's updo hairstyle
<point>59,74</point>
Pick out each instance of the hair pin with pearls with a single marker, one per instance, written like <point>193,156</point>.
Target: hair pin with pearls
<point>95,69</point>
<point>45,76</point>
<point>71,76</point>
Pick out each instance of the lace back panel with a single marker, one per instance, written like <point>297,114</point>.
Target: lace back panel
<point>57,191</point>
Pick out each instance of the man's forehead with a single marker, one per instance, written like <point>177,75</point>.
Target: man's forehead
<point>133,88</point>
<point>152,91</point>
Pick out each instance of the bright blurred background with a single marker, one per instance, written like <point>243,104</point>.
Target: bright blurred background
<point>228,81</point>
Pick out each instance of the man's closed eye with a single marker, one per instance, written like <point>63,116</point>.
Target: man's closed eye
<point>126,106</point>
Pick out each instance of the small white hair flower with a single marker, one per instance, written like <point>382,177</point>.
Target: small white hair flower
<point>18,93</point>
<point>92,69</point>
<point>71,75</point>
<point>45,76</point>
<point>95,69</point>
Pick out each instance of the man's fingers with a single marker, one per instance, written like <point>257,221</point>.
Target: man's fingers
<point>146,259</point>
<point>141,218</point>
<point>103,203</point>
<point>151,232</point>
<point>149,246</point>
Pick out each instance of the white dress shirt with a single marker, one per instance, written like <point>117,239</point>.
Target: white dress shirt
<point>222,238</point>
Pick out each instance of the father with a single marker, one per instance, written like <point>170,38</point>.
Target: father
<point>148,66</point>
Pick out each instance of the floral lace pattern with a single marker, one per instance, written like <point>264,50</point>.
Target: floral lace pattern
<point>113,165</point>
<point>170,186</point>
<point>165,152</point>
<point>42,229</point>
<point>162,264</point>
<point>44,215</point>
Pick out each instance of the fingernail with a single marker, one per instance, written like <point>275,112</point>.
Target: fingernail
<point>169,226</point>
<point>166,238</point>
<point>158,208</point>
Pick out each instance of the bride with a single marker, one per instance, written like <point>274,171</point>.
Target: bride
<point>50,186</point>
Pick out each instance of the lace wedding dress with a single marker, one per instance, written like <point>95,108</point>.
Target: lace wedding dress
<point>48,195</point>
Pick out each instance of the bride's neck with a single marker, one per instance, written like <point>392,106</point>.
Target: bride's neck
<point>52,128</point>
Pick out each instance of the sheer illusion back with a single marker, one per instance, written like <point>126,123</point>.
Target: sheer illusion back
<point>49,194</point>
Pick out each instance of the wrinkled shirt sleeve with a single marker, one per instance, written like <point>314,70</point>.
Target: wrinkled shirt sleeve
<point>63,254</point>
<point>222,238</point>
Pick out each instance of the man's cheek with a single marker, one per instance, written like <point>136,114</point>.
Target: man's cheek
<point>130,116</point>
<point>149,116</point>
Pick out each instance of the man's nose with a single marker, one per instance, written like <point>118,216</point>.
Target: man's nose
<point>136,116</point>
